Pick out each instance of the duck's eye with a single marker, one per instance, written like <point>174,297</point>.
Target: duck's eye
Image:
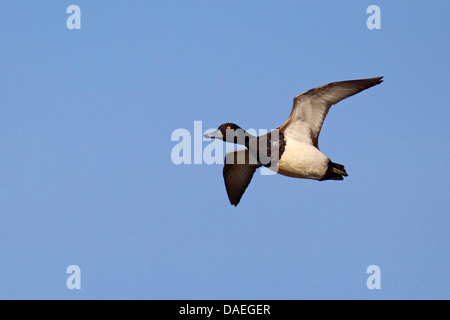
<point>228,127</point>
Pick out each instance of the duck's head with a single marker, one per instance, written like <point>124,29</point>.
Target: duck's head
<point>229,132</point>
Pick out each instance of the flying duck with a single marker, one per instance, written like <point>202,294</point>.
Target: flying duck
<point>292,149</point>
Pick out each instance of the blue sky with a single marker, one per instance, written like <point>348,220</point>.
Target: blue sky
<point>87,179</point>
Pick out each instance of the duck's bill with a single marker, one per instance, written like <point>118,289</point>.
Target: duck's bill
<point>214,135</point>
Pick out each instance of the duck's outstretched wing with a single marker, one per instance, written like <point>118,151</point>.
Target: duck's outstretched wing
<point>311,107</point>
<point>238,171</point>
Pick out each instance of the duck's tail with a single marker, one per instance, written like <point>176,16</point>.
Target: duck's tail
<point>335,171</point>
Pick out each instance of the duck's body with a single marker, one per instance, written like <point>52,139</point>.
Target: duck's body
<point>292,149</point>
<point>291,157</point>
<point>302,160</point>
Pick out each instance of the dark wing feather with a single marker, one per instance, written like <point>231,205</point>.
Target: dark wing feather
<point>238,171</point>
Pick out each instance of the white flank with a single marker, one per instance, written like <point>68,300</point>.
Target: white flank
<point>302,160</point>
